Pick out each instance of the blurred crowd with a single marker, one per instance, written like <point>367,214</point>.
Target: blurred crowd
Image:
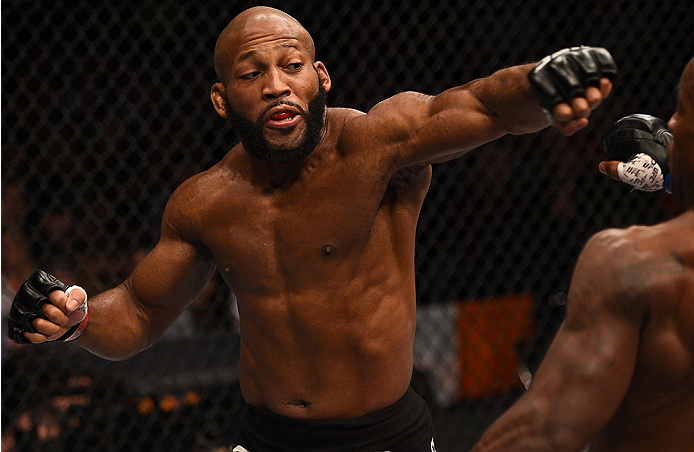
<point>48,411</point>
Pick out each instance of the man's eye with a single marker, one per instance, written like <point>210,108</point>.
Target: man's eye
<point>295,66</point>
<point>250,75</point>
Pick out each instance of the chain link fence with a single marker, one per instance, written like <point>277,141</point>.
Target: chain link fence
<point>105,111</point>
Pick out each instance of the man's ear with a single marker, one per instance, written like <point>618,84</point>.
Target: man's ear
<point>218,95</point>
<point>323,75</point>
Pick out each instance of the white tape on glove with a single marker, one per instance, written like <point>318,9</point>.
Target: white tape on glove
<point>641,172</point>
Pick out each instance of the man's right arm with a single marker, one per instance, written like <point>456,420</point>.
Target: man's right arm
<point>132,316</point>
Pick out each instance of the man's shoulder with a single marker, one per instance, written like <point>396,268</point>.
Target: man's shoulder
<point>340,117</point>
<point>200,194</point>
<point>204,184</point>
<point>344,113</point>
<point>357,131</point>
<point>395,112</point>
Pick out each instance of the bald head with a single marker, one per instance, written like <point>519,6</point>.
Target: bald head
<point>687,82</point>
<point>252,24</point>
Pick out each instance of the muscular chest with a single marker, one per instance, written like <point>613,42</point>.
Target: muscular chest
<point>302,233</point>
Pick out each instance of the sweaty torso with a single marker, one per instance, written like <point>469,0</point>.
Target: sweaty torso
<point>658,410</point>
<point>322,263</point>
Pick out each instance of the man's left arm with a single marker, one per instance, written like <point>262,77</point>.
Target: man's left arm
<point>561,90</point>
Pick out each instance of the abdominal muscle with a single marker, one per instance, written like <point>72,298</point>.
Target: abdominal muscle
<point>326,356</point>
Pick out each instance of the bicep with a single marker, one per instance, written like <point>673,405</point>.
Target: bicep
<point>457,123</point>
<point>131,316</point>
<point>420,129</point>
<point>167,280</point>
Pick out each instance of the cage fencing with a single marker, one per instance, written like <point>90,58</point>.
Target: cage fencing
<point>105,111</point>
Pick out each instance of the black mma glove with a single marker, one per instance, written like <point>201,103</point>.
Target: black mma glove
<point>26,307</point>
<point>566,74</point>
<point>640,142</point>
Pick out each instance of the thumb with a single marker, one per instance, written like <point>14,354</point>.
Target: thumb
<point>610,169</point>
<point>76,296</point>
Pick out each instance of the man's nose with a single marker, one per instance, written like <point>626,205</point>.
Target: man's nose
<point>275,85</point>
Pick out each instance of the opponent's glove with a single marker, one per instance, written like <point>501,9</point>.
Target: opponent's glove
<point>26,308</point>
<point>640,143</point>
<point>566,74</point>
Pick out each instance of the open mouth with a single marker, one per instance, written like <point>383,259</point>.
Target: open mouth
<point>282,118</point>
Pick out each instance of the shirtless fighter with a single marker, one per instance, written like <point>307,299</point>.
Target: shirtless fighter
<point>311,220</point>
<point>619,375</point>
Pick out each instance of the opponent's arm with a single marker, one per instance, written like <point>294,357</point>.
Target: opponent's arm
<point>589,365</point>
<point>636,149</point>
<point>129,318</point>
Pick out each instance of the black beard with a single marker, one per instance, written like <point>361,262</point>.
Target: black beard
<point>254,141</point>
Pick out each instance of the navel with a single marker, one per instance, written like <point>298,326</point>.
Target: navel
<point>328,250</point>
<point>299,403</point>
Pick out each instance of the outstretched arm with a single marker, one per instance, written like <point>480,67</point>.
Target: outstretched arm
<point>589,365</point>
<point>421,128</point>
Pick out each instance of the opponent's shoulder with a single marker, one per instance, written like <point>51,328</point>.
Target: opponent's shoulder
<point>605,253</point>
<point>632,267</point>
<point>634,245</point>
<point>628,244</point>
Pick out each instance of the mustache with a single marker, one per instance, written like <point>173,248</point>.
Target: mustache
<point>277,103</point>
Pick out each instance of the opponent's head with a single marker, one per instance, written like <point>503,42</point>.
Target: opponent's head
<point>270,87</point>
<point>681,149</point>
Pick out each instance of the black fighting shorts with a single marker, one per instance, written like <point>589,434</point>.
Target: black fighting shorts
<point>404,426</point>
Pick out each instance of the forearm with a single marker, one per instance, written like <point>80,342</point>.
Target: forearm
<point>569,84</point>
<point>465,117</point>
<point>528,426</point>
<point>513,432</point>
<point>117,327</point>
<point>131,317</point>
<point>508,98</point>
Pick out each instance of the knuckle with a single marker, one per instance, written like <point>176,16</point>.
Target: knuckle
<point>54,314</point>
<point>594,98</point>
<point>580,104</point>
<point>45,327</point>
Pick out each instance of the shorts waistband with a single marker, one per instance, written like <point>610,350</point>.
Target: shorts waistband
<point>289,434</point>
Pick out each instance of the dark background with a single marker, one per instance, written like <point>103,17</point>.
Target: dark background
<point>105,111</point>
